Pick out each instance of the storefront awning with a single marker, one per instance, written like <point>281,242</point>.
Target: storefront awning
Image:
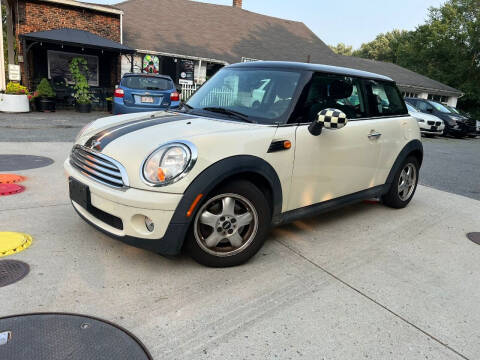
<point>79,38</point>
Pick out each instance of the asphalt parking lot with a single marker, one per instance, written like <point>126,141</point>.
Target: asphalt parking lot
<point>365,281</point>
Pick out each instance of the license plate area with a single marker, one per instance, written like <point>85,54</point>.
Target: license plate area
<point>80,193</point>
<point>146,99</point>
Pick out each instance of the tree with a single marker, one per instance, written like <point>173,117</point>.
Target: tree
<point>342,49</point>
<point>446,48</point>
<point>385,47</point>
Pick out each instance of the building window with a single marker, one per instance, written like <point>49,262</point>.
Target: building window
<point>439,98</point>
<point>409,95</point>
<point>59,66</point>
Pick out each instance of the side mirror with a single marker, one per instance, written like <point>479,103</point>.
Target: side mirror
<point>328,118</point>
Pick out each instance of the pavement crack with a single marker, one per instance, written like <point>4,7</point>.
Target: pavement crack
<point>361,293</point>
<point>34,207</point>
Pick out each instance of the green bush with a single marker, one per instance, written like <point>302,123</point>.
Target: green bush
<point>78,69</point>
<point>44,89</point>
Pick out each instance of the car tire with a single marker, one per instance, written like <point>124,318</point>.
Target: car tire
<point>404,184</point>
<point>230,226</point>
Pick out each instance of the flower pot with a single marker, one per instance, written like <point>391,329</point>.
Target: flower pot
<point>45,104</point>
<point>14,103</point>
<point>84,108</point>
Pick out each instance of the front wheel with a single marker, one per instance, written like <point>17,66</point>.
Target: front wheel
<point>404,185</point>
<point>230,226</point>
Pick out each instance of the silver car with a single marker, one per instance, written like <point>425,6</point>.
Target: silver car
<point>429,124</point>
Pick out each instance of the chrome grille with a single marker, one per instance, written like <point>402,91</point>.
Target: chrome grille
<point>98,167</point>
<point>431,122</point>
<point>438,123</point>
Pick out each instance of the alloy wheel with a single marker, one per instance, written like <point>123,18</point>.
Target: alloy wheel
<point>407,182</point>
<point>225,225</point>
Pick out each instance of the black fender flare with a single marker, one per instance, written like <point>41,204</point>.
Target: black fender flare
<point>411,147</point>
<point>205,182</point>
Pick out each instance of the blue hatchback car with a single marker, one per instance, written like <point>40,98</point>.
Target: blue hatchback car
<point>145,92</point>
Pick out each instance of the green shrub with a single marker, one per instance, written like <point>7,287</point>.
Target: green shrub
<point>44,89</point>
<point>78,69</point>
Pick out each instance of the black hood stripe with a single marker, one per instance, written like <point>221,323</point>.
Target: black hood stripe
<point>100,140</point>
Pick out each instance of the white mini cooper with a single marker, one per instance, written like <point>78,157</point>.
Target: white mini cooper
<point>260,144</point>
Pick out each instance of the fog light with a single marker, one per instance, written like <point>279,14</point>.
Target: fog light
<point>149,224</point>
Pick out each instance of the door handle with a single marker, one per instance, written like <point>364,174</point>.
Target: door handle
<point>374,135</point>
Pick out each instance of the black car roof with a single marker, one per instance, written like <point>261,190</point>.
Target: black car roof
<point>311,67</point>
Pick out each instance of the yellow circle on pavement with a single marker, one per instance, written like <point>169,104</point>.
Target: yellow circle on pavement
<point>13,242</point>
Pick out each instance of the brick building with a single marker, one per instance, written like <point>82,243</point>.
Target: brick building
<point>49,33</point>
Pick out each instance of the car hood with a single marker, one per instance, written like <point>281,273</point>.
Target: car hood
<point>130,140</point>
<point>423,116</point>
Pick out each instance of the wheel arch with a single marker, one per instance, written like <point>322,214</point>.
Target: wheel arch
<point>413,148</point>
<point>240,167</point>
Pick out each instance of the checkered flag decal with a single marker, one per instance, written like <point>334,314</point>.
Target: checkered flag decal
<point>332,118</point>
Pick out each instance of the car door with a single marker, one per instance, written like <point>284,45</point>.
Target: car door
<point>337,162</point>
<point>389,116</point>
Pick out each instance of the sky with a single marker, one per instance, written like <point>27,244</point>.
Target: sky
<point>352,22</point>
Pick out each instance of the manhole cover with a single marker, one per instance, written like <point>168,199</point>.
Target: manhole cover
<point>68,336</point>
<point>23,162</point>
<point>11,178</point>
<point>12,271</point>
<point>475,237</point>
<point>10,189</point>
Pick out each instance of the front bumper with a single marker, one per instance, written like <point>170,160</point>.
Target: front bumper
<point>461,129</point>
<point>431,129</point>
<point>129,208</point>
<point>120,108</point>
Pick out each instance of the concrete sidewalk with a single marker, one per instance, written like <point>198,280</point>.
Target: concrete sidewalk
<point>365,281</point>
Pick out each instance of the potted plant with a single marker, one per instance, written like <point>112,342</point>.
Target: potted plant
<point>78,69</point>
<point>44,96</point>
<point>15,98</point>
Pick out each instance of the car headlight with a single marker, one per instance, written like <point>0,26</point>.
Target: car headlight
<point>169,163</point>
<point>420,120</point>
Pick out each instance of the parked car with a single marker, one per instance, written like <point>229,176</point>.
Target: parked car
<point>144,92</point>
<point>217,174</point>
<point>455,124</point>
<point>468,116</point>
<point>429,124</point>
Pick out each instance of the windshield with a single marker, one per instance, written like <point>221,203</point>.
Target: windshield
<point>259,95</point>
<point>411,107</point>
<point>147,83</point>
<point>439,107</point>
<point>454,110</point>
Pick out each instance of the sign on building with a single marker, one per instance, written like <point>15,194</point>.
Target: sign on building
<point>186,72</point>
<point>14,72</point>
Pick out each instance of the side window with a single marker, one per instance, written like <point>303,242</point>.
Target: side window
<point>329,91</point>
<point>384,99</point>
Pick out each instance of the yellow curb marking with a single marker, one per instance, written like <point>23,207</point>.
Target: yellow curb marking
<point>13,242</point>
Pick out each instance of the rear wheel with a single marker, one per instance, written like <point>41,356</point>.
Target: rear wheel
<point>230,226</point>
<point>404,185</point>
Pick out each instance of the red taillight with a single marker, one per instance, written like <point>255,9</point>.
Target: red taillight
<point>175,96</point>
<point>119,93</point>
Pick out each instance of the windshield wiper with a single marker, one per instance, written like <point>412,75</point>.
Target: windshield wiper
<point>229,112</point>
